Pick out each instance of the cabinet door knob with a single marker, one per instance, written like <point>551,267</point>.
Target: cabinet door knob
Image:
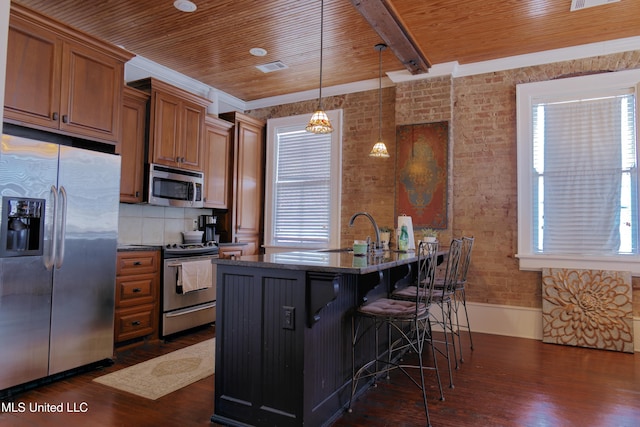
<point>137,194</point>
<point>55,116</point>
<point>135,323</point>
<point>136,290</point>
<point>65,119</point>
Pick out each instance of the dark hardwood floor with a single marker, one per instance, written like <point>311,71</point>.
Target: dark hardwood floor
<point>505,382</point>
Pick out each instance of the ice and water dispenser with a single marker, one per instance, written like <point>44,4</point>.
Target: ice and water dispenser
<point>22,226</point>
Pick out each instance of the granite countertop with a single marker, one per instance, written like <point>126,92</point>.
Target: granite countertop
<point>326,261</point>
<point>125,247</point>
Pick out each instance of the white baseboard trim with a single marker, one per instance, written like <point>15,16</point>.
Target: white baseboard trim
<point>522,322</point>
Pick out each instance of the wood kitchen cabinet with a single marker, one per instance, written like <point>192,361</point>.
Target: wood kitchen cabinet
<point>244,220</point>
<point>217,162</point>
<point>62,80</point>
<point>176,124</point>
<point>131,146</point>
<point>137,295</point>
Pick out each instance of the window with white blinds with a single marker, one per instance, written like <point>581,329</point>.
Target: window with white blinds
<point>302,188</point>
<point>577,173</point>
<point>585,175</point>
<point>303,185</point>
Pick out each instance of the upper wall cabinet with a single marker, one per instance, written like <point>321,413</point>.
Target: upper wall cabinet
<point>217,160</point>
<point>132,143</point>
<point>62,80</point>
<point>176,124</point>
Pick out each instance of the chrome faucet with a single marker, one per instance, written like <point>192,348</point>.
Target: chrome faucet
<point>373,222</point>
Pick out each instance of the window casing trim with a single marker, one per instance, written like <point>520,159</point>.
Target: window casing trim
<point>335,116</point>
<point>527,95</point>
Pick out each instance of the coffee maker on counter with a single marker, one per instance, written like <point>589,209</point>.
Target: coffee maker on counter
<point>207,224</point>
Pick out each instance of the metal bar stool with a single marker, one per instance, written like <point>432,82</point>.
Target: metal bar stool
<point>441,294</point>
<point>409,319</point>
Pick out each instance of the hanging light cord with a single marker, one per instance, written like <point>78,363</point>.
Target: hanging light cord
<point>321,42</point>
<point>380,96</point>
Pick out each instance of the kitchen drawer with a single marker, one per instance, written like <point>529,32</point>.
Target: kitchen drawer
<point>134,322</point>
<point>138,262</point>
<point>135,290</point>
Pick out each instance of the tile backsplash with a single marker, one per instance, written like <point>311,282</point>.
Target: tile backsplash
<point>155,225</point>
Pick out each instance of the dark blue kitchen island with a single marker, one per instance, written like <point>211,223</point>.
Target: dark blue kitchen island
<point>283,333</point>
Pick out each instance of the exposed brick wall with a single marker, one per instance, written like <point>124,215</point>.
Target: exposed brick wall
<point>485,174</point>
<point>428,101</point>
<point>368,184</point>
<point>481,111</point>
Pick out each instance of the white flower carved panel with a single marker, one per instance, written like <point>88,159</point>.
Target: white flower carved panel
<point>587,308</point>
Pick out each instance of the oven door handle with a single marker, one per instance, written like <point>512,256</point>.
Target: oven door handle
<point>190,310</point>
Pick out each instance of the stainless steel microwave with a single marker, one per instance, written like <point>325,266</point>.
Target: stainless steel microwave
<point>169,186</point>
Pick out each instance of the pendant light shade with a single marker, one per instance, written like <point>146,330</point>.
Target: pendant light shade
<point>319,122</point>
<point>380,149</point>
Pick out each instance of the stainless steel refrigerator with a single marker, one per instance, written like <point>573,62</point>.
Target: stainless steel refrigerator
<point>58,243</point>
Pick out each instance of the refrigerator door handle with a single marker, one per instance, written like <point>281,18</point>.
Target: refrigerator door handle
<point>63,227</point>
<point>49,258</point>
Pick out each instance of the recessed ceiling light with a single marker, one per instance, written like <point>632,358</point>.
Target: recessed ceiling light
<point>258,51</point>
<point>185,5</point>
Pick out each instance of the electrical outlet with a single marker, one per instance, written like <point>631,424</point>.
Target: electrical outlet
<point>195,224</point>
<point>288,317</point>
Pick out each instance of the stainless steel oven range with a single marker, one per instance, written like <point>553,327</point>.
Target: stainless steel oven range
<point>188,286</point>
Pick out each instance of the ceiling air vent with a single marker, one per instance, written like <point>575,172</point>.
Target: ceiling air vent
<point>583,4</point>
<point>272,66</point>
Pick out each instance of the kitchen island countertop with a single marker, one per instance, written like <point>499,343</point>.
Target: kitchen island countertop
<point>325,261</point>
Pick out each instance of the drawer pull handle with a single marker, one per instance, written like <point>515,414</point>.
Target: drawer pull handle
<point>136,290</point>
<point>135,323</point>
<point>137,263</point>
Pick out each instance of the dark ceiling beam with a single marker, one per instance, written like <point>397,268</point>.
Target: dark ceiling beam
<point>385,20</point>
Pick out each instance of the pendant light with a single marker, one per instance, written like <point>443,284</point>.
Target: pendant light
<point>379,148</point>
<point>319,122</point>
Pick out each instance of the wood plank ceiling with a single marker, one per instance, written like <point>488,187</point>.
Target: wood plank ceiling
<point>212,44</point>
